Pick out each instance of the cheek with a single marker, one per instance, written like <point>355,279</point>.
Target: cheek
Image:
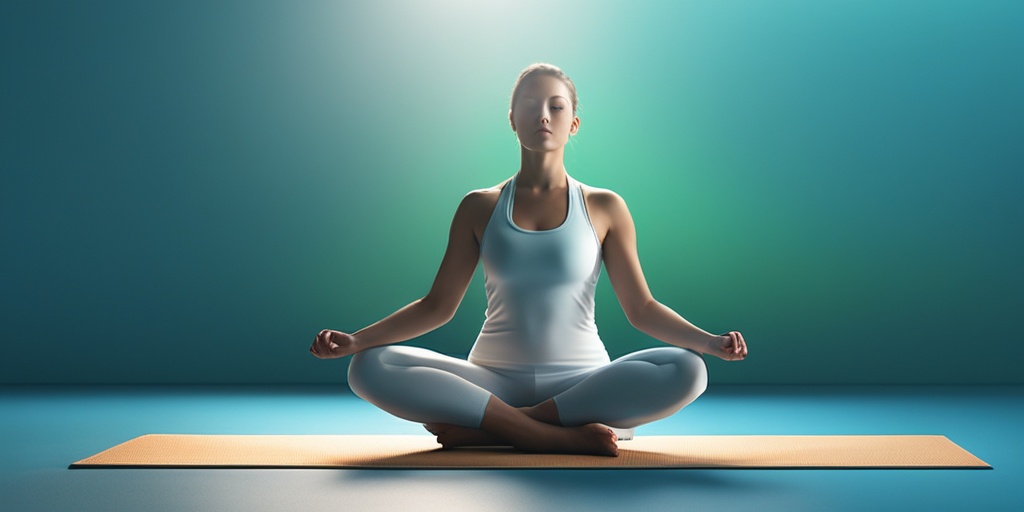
<point>517,118</point>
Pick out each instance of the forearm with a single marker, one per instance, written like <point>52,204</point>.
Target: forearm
<point>415,319</point>
<point>661,322</point>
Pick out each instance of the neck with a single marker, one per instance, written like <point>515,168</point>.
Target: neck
<point>542,170</point>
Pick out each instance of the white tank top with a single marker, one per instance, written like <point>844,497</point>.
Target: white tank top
<point>540,291</point>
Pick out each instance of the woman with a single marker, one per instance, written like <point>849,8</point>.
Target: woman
<point>538,377</point>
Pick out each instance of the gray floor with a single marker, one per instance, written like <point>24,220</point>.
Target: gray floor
<point>46,428</point>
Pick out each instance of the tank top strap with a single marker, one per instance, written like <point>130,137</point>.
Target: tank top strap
<point>507,197</point>
<point>579,203</point>
<point>575,194</point>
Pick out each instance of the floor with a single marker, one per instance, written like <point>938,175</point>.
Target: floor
<point>46,428</point>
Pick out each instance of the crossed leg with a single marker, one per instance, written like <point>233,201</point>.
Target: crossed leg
<point>464,404</point>
<point>633,390</point>
<point>454,436</point>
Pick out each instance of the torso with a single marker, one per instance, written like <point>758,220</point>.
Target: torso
<point>542,260</point>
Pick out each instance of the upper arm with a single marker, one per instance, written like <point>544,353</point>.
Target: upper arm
<point>460,257</point>
<point>621,258</point>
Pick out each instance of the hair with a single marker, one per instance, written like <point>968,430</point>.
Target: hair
<point>546,69</point>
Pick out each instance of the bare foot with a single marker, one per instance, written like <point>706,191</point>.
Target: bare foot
<point>592,439</point>
<point>454,436</point>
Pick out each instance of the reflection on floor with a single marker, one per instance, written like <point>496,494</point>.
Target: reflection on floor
<point>46,428</point>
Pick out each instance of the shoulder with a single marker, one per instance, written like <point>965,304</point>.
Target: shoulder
<point>484,195</point>
<point>482,199</point>
<point>476,208</point>
<point>604,200</point>
<point>607,211</point>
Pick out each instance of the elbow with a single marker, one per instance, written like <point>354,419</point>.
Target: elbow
<point>446,316</point>
<point>637,313</point>
<point>440,312</point>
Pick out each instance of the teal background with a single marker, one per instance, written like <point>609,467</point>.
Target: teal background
<point>191,190</point>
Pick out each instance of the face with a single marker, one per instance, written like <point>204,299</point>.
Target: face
<point>542,114</point>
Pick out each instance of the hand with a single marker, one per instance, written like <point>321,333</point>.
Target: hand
<point>729,346</point>
<point>332,344</point>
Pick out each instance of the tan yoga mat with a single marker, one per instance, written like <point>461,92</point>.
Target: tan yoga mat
<point>422,452</point>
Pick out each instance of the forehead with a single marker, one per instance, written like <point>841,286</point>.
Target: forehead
<point>542,86</point>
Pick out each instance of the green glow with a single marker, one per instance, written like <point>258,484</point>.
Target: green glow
<point>197,189</point>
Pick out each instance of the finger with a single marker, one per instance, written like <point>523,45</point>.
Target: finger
<point>318,344</point>
<point>743,344</point>
<point>329,343</point>
<point>325,338</point>
<point>734,349</point>
<point>741,347</point>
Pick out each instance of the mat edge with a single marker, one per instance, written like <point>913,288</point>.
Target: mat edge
<point>82,464</point>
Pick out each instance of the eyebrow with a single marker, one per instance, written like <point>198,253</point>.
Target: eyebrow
<point>551,98</point>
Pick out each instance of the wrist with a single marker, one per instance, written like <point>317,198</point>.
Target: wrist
<point>712,343</point>
<point>358,343</point>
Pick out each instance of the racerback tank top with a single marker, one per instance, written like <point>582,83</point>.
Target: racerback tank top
<point>540,290</point>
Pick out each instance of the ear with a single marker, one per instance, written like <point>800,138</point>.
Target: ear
<point>510,121</point>
<point>575,126</point>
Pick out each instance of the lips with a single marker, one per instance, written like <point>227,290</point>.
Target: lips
<point>545,130</point>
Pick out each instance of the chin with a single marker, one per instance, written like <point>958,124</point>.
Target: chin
<point>543,147</point>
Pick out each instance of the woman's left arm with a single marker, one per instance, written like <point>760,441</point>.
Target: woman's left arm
<point>643,311</point>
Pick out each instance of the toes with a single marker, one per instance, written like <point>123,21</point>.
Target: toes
<point>614,451</point>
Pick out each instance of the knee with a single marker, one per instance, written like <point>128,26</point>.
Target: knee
<point>674,377</point>
<point>699,370</point>
<point>366,368</point>
<point>691,373</point>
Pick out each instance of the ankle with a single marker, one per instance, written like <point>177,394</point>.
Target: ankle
<point>544,412</point>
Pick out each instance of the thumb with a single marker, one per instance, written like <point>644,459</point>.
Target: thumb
<point>330,341</point>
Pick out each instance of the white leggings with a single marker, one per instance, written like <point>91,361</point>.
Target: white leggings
<point>420,385</point>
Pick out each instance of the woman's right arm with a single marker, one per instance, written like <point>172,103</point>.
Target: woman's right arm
<point>431,311</point>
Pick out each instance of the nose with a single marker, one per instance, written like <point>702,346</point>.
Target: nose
<point>545,116</point>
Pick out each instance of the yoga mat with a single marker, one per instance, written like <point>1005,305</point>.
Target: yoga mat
<point>422,452</point>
